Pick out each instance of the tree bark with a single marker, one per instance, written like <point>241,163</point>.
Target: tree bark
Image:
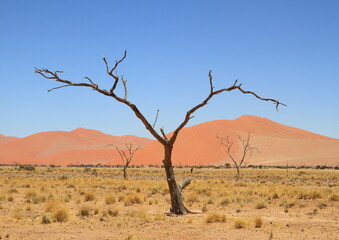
<point>177,205</point>
<point>238,172</point>
<point>125,172</point>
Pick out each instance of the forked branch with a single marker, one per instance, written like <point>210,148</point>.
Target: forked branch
<point>160,137</point>
<point>110,71</point>
<point>126,155</point>
<point>246,147</point>
<point>212,93</point>
<point>114,69</point>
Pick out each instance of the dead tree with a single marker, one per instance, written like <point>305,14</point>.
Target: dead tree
<point>246,147</point>
<point>126,155</point>
<point>177,205</point>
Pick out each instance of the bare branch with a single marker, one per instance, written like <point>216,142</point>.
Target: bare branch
<point>89,80</point>
<point>156,119</point>
<point>54,76</point>
<point>58,88</point>
<point>228,144</point>
<point>213,93</point>
<point>106,63</point>
<point>118,62</point>
<point>211,80</point>
<point>125,87</point>
<point>246,147</point>
<point>110,72</point>
<point>121,153</point>
<point>163,133</point>
<point>185,183</point>
<point>126,157</point>
<point>276,102</point>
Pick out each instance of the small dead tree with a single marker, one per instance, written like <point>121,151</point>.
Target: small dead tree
<point>177,205</point>
<point>126,155</point>
<point>246,147</point>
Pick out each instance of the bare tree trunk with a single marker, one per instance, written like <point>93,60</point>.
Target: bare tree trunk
<point>177,205</point>
<point>238,172</point>
<point>125,172</point>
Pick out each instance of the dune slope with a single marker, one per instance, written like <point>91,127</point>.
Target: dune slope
<point>196,145</point>
<point>278,144</point>
<point>80,146</point>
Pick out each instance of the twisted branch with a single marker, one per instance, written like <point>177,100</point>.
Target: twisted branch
<point>212,93</point>
<point>160,137</point>
<point>55,76</point>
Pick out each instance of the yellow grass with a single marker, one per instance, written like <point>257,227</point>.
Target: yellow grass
<point>44,197</point>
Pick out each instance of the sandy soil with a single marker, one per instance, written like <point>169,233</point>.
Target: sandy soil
<point>308,218</point>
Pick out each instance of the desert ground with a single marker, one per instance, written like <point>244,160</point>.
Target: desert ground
<point>97,203</point>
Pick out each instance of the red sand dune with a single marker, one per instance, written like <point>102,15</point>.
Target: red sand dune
<point>197,145</point>
<point>278,144</point>
<point>62,148</point>
<point>5,139</point>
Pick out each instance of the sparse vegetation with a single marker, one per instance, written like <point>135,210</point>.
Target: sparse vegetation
<point>133,199</point>
<point>61,214</point>
<point>84,211</point>
<point>260,205</point>
<point>239,223</point>
<point>89,196</point>
<point>47,199</point>
<point>215,217</point>
<point>110,198</point>
<point>258,222</point>
<point>45,220</point>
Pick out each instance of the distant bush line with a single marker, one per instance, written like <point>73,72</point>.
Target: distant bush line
<point>29,167</point>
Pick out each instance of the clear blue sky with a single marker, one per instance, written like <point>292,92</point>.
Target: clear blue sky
<point>288,50</point>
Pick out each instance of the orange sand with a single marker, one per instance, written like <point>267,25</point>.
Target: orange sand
<point>197,145</point>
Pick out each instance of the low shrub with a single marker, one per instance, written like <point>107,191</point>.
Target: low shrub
<point>84,211</point>
<point>45,220</point>
<point>89,196</point>
<point>260,205</point>
<point>258,222</point>
<point>215,217</point>
<point>239,223</point>
<point>61,214</point>
<point>133,199</point>
<point>110,198</point>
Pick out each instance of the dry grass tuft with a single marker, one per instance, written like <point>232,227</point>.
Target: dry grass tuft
<point>334,197</point>
<point>89,196</point>
<point>258,222</point>
<point>113,212</point>
<point>141,213</point>
<point>10,198</point>
<point>215,217</point>
<point>84,211</point>
<point>133,199</point>
<point>61,214</point>
<point>45,220</point>
<point>260,205</point>
<point>239,223</point>
<point>52,205</point>
<point>224,202</point>
<point>110,198</point>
